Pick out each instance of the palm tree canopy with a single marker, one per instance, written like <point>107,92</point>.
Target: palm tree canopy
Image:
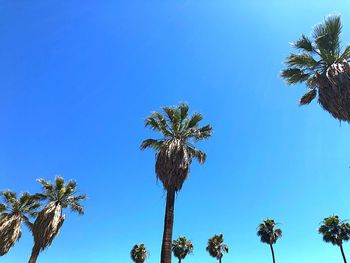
<point>181,247</point>
<point>175,149</point>
<point>334,230</point>
<point>13,212</point>
<point>139,253</point>
<point>64,194</point>
<point>216,247</point>
<point>25,206</point>
<point>317,54</point>
<point>268,233</point>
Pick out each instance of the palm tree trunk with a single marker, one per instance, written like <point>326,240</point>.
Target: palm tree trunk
<point>220,260</point>
<point>35,254</point>
<point>273,254</point>
<point>342,253</point>
<point>168,227</point>
<point>179,260</point>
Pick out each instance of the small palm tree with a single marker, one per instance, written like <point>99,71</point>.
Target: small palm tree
<point>182,247</point>
<point>174,154</point>
<point>269,234</point>
<point>139,253</point>
<point>216,247</point>
<point>13,212</point>
<point>323,67</point>
<point>335,231</point>
<point>59,196</point>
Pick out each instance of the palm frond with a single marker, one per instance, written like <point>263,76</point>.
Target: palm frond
<point>305,44</point>
<point>308,97</point>
<point>327,35</point>
<point>294,75</point>
<point>152,143</point>
<point>302,61</point>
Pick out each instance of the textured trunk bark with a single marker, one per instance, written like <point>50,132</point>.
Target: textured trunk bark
<point>35,254</point>
<point>273,254</point>
<point>342,253</point>
<point>168,227</point>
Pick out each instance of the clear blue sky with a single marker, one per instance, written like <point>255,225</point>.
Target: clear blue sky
<point>77,79</point>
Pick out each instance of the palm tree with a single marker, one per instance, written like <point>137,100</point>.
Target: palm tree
<point>174,154</point>
<point>216,247</point>
<point>323,66</point>
<point>59,196</point>
<point>13,212</point>
<point>335,231</point>
<point>182,247</point>
<point>139,253</point>
<point>269,234</point>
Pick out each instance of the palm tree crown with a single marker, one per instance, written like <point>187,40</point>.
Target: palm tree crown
<point>334,230</point>
<point>175,150</point>
<point>216,247</point>
<point>14,211</point>
<point>268,233</point>
<point>139,253</point>
<point>182,247</point>
<point>321,64</point>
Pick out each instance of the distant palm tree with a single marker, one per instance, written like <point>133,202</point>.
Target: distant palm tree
<point>174,154</point>
<point>335,231</point>
<point>216,247</point>
<point>182,247</point>
<point>59,196</point>
<point>323,66</point>
<point>269,234</point>
<point>139,253</point>
<point>13,212</point>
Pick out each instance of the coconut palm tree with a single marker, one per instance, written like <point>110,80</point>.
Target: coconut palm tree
<point>59,195</point>
<point>182,247</point>
<point>15,211</point>
<point>216,247</point>
<point>323,66</point>
<point>139,253</point>
<point>174,154</point>
<point>269,234</point>
<point>335,231</point>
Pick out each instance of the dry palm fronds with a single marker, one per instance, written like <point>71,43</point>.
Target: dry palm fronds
<point>334,90</point>
<point>10,232</point>
<point>172,164</point>
<point>47,225</point>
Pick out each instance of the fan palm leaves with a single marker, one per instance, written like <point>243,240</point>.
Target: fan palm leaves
<point>139,253</point>
<point>335,231</point>
<point>13,212</point>
<point>323,66</point>
<point>216,247</point>
<point>175,151</point>
<point>182,247</point>
<point>269,234</point>
<point>59,195</point>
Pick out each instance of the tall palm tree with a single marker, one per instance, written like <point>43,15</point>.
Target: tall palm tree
<point>216,247</point>
<point>269,234</point>
<point>139,253</point>
<point>59,195</point>
<point>182,247</point>
<point>15,211</point>
<point>174,154</point>
<point>335,231</point>
<point>323,66</point>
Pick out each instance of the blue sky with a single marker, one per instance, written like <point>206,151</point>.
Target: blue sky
<point>77,79</point>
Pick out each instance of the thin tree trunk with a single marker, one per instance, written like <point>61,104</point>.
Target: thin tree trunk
<point>35,254</point>
<point>179,260</point>
<point>220,260</point>
<point>273,254</point>
<point>342,253</point>
<point>168,227</point>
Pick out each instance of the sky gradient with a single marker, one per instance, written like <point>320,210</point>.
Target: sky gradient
<point>77,79</point>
